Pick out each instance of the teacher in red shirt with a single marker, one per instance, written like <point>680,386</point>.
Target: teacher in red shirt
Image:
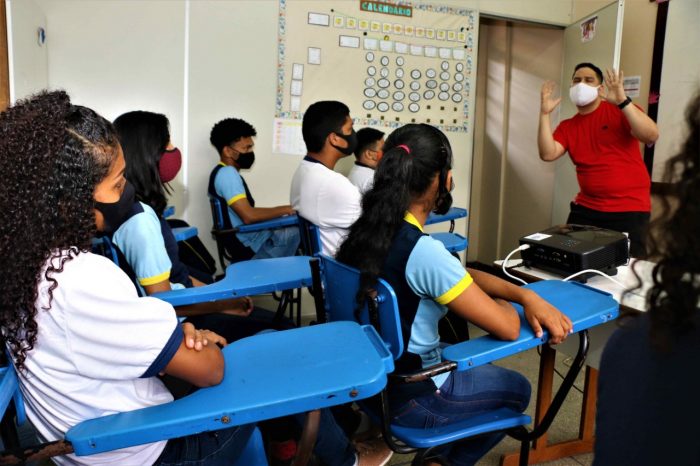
<point>603,142</point>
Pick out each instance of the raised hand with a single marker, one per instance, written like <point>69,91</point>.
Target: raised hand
<point>615,89</point>
<point>547,102</point>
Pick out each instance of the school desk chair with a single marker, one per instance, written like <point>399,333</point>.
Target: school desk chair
<point>266,376</point>
<point>180,233</point>
<point>453,214</point>
<point>585,306</point>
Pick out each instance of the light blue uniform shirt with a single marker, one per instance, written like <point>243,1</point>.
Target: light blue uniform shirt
<point>437,278</point>
<point>141,241</point>
<point>229,185</point>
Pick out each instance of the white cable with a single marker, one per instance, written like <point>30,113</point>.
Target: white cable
<point>505,261</point>
<point>595,271</point>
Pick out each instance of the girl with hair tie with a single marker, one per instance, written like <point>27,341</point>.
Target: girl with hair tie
<point>413,179</point>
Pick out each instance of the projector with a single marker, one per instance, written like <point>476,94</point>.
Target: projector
<point>567,249</point>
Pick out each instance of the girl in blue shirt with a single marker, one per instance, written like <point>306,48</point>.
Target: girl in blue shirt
<point>413,179</point>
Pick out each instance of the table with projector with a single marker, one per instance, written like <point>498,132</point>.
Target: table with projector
<point>625,290</point>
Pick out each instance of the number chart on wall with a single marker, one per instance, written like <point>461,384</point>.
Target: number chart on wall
<point>392,63</point>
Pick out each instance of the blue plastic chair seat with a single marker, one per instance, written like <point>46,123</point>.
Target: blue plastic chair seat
<point>266,376</point>
<point>492,421</point>
<point>453,242</point>
<point>169,211</point>
<point>184,233</point>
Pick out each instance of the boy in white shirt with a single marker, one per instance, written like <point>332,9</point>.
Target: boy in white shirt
<point>319,194</point>
<point>368,154</point>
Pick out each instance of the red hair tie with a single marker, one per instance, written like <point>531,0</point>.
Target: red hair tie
<point>404,147</point>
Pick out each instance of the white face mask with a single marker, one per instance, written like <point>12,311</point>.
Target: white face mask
<point>582,94</point>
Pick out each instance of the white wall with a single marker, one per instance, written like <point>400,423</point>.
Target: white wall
<point>27,59</point>
<point>680,79</point>
<point>121,55</point>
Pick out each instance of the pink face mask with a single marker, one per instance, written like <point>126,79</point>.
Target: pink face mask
<point>169,165</point>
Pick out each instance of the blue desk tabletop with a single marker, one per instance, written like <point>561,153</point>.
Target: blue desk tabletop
<point>585,306</point>
<point>286,221</point>
<point>453,214</point>
<point>266,376</point>
<point>247,278</point>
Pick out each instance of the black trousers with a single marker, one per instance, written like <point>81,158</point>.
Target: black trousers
<point>633,223</point>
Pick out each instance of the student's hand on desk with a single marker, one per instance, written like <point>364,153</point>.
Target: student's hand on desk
<point>289,211</point>
<point>239,307</point>
<point>197,339</point>
<point>539,313</point>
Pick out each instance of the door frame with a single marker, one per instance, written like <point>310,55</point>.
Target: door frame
<point>4,60</point>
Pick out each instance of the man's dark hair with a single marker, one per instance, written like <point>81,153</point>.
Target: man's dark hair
<point>321,119</point>
<point>595,69</point>
<point>228,131</point>
<point>365,138</point>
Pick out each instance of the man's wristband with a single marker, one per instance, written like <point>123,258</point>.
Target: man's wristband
<point>624,103</point>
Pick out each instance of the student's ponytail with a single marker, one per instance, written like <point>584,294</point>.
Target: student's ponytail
<point>413,155</point>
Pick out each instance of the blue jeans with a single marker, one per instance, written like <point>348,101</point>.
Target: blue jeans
<point>466,394</point>
<point>284,242</point>
<point>218,448</point>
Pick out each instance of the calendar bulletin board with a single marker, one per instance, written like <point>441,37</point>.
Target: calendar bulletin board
<point>391,62</point>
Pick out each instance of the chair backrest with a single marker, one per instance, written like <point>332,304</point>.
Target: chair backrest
<point>341,285</point>
<point>9,391</point>
<point>217,213</point>
<point>310,237</point>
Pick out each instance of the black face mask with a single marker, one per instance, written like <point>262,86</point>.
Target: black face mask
<point>444,201</point>
<point>246,160</point>
<point>115,213</point>
<point>351,139</point>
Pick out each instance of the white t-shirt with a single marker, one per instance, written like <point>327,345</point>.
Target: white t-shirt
<point>362,177</point>
<point>97,351</point>
<point>327,199</point>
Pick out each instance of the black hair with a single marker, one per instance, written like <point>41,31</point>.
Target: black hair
<point>52,156</point>
<point>595,69</point>
<point>144,136</point>
<point>321,119</point>
<point>365,138</point>
<point>413,156</point>
<point>228,131</point>
<point>674,246</point>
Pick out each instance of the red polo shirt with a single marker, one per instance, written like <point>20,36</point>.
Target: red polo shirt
<point>611,173</point>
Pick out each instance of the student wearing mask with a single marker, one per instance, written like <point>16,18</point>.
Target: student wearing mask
<point>319,194</point>
<point>82,341</point>
<point>367,155</point>
<point>139,232</point>
<point>233,140</point>
<point>388,241</point>
<point>603,142</point>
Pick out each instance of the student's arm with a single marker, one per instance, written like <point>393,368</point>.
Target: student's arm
<point>239,306</point>
<point>641,126</point>
<point>201,365</point>
<point>549,149</point>
<point>250,214</point>
<point>538,312</point>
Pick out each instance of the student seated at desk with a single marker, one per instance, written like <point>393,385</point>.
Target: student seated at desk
<point>649,378</point>
<point>233,140</point>
<point>387,241</point>
<point>152,163</point>
<point>320,195</point>
<point>139,232</point>
<point>367,155</point>
<point>82,341</point>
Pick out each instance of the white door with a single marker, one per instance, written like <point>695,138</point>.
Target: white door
<point>594,39</point>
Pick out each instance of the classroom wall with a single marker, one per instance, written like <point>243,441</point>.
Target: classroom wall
<point>27,59</point>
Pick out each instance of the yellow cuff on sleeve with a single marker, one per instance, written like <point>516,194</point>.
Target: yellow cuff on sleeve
<point>455,291</point>
<point>235,198</point>
<point>153,280</point>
